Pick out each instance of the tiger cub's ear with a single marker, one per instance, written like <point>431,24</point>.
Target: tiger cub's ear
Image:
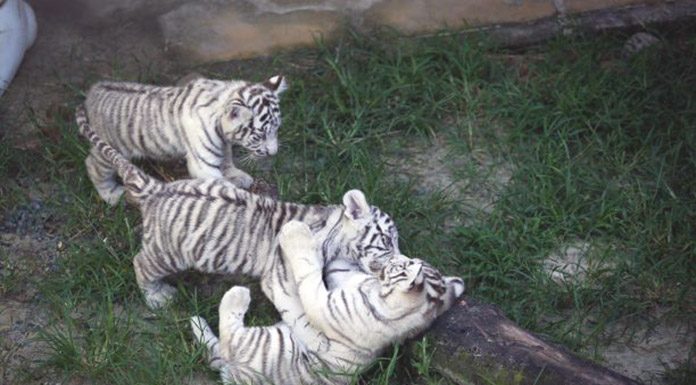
<point>455,284</point>
<point>277,84</point>
<point>356,205</point>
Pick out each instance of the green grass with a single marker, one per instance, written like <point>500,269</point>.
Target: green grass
<point>602,151</point>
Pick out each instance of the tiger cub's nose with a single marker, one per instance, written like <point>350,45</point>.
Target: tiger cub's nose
<point>272,148</point>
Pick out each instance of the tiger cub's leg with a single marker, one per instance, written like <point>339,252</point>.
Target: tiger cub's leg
<point>232,173</point>
<point>239,178</point>
<point>233,307</point>
<point>149,277</point>
<point>231,374</point>
<point>280,288</point>
<point>103,176</point>
<point>300,248</point>
<point>199,167</point>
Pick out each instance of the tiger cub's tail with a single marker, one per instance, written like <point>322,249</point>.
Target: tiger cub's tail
<point>205,337</point>
<point>136,181</point>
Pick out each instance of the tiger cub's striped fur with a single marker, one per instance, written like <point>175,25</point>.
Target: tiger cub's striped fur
<point>199,121</point>
<point>359,319</point>
<point>210,225</point>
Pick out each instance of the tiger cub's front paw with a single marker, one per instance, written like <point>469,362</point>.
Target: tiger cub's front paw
<point>294,235</point>
<point>298,244</point>
<point>236,300</point>
<point>240,179</point>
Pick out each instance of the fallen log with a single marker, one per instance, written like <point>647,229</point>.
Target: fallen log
<point>517,35</point>
<point>474,343</point>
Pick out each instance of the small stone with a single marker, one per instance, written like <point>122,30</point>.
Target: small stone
<point>569,264</point>
<point>638,42</point>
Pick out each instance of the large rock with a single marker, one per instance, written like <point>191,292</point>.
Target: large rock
<point>204,32</point>
<point>211,30</point>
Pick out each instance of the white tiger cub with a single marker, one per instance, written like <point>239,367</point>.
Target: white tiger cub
<point>212,226</point>
<point>199,121</point>
<point>357,321</point>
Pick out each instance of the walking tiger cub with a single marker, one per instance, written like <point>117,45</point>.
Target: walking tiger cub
<point>212,226</point>
<point>359,319</point>
<point>199,121</point>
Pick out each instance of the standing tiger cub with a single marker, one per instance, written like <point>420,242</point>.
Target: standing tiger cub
<point>199,121</point>
<point>212,226</point>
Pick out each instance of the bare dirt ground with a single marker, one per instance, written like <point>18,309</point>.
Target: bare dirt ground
<point>30,250</point>
<point>71,45</point>
<point>68,51</point>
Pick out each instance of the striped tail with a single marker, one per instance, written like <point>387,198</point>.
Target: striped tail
<point>136,181</point>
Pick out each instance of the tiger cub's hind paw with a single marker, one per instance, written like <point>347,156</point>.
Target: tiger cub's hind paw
<point>159,297</point>
<point>112,194</point>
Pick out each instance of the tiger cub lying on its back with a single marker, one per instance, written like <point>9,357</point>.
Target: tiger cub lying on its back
<point>212,226</point>
<point>199,122</point>
<point>359,320</point>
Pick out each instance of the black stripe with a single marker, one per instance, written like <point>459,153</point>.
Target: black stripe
<point>199,157</point>
<point>183,96</point>
<point>209,102</point>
